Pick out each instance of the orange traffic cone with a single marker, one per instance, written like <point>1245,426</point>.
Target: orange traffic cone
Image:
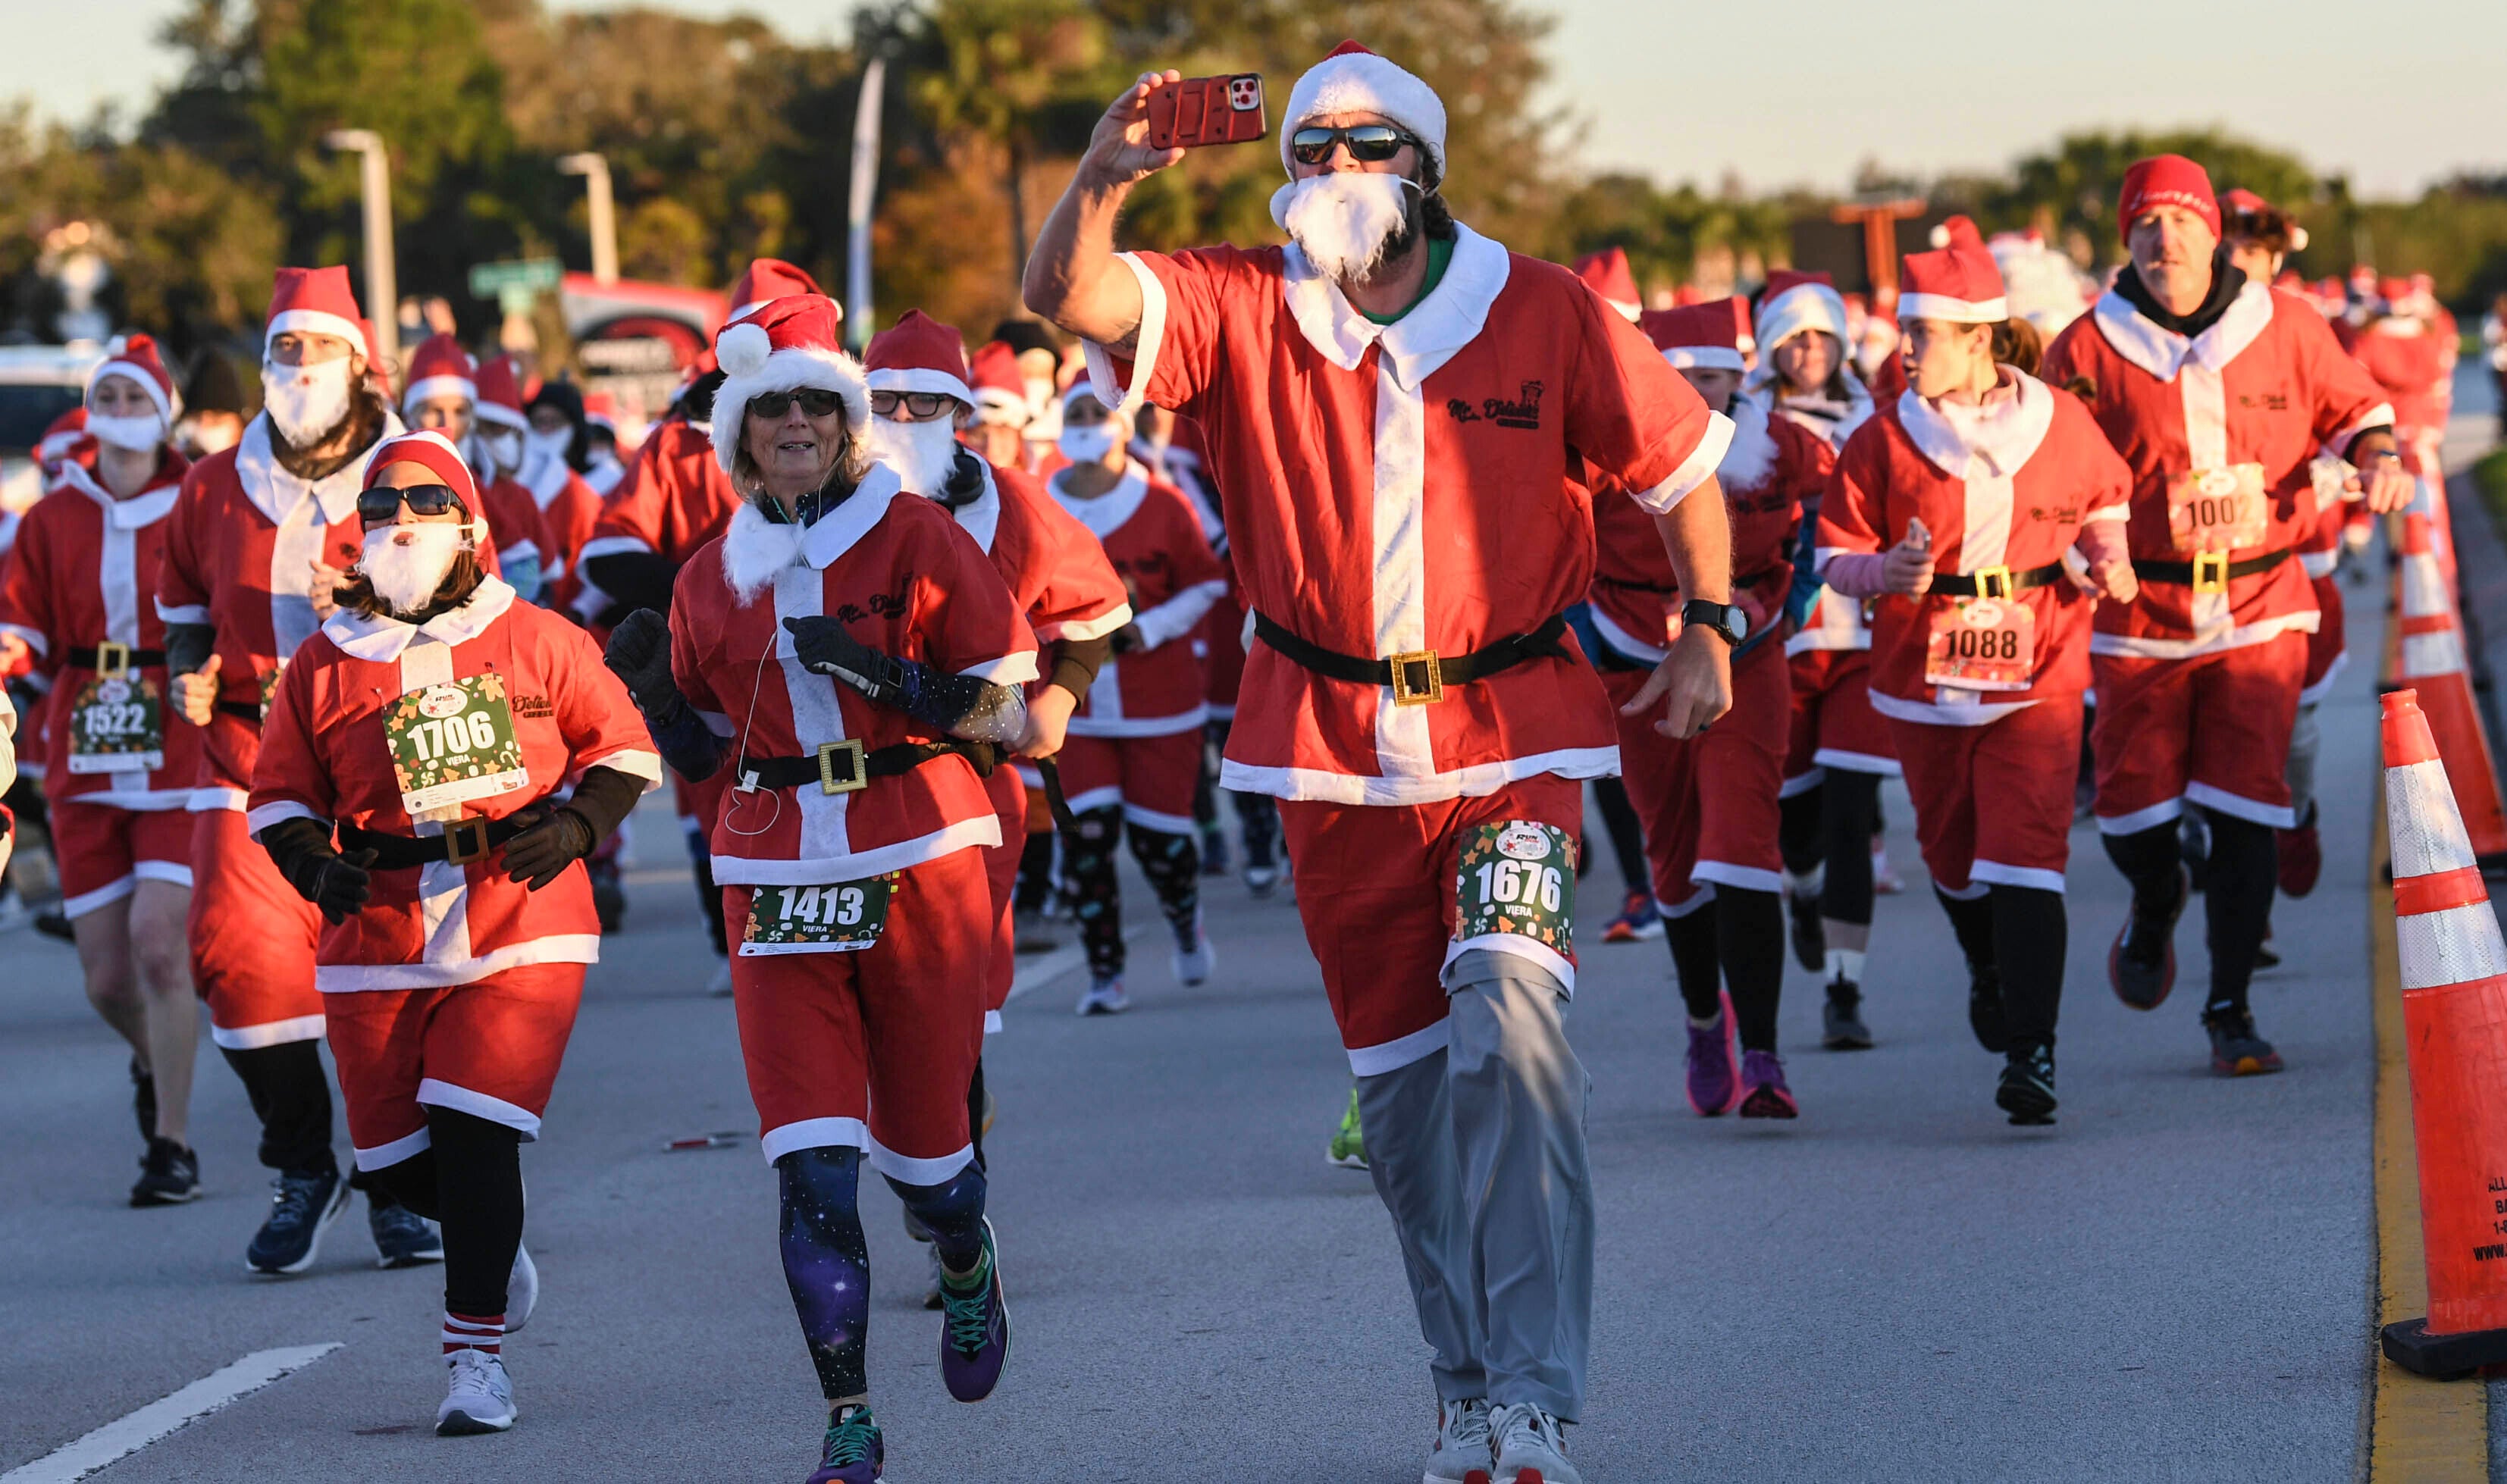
<point>2432,662</point>
<point>2455,1020</point>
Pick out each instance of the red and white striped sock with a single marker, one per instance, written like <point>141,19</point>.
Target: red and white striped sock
<point>467,1331</point>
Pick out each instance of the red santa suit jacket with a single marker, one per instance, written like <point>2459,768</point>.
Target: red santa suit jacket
<point>673,499</point>
<point>1393,489</point>
<point>2009,488</point>
<point>2412,366</point>
<point>2267,383</point>
<point>569,510</point>
<point>1153,538</point>
<point>515,530</point>
<point>906,581</point>
<point>1057,574</point>
<point>84,573</point>
<point>324,757</point>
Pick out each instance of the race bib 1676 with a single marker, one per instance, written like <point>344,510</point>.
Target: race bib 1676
<point>1517,877</point>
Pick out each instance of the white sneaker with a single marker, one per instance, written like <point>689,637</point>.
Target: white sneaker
<point>1460,1454</point>
<point>1194,958</point>
<point>479,1399</point>
<point>1103,997</point>
<point>522,1289</point>
<point>1529,1448</point>
<point>719,986</point>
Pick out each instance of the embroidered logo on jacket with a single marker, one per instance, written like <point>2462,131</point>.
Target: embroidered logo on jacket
<point>1522,412</point>
<point>536,706</point>
<point>885,604</point>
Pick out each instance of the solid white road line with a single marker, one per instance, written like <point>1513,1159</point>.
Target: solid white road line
<point>128,1435</point>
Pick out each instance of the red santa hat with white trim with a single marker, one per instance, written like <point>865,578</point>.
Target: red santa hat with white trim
<point>1607,273</point>
<point>315,300</point>
<point>2165,180</point>
<point>1001,391</point>
<point>496,390</point>
<point>1703,336</point>
<point>440,368</point>
<point>1798,301</point>
<point>135,356</point>
<point>1353,79</point>
<point>1958,231</point>
<point>434,453</point>
<point>791,344</point>
<point>768,279</point>
<point>1959,285</point>
<point>918,353</point>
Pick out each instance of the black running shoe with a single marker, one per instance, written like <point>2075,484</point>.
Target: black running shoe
<point>1840,1020</point>
<point>403,1238</point>
<point>2027,1090</point>
<point>302,1204</point>
<point>2141,966</point>
<point>143,1099</point>
<point>52,922</point>
<point>1810,938</point>
<point>169,1175</point>
<point>2236,1051</point>
<point>1984,1009</point>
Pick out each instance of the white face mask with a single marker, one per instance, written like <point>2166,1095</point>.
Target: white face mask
<point>406,564</point>
<point>549,444</point>
<point>305,403</point>
<point>1087,444</point>
<point>1343,219</point>
<point>502,446</point>
<point>135,435</point>
<point>921,453</point>
<point>209,437</point>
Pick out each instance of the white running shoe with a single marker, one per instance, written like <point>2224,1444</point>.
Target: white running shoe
<point>1195,957</point>
<point>719,986</point>
<point>1530,1447</point>
<point>522,1289</point>
<point>1105,996</point>
<point>481,1397</point>
<point>1460,1454</point>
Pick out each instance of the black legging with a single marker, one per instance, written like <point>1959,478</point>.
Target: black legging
<point>2017,934</point>
<point>1738,940</point>
<point>2236,895</point>
<point>471,1178</point>
<point>1832,822</point>
<point>1172,862</point>
<point>1627,833</point>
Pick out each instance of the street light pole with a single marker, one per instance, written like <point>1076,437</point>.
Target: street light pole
<point>594,170</point>
<point>382,288</point>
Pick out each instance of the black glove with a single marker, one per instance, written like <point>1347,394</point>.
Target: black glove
<point>341,885</point>
<point>552,838</point>
<point>640,655</point>
<point>825,649</point>
<point>1126,639</point>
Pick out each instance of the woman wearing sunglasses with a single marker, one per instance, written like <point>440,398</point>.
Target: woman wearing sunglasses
<point>847,657</point>
<point>430,724</point>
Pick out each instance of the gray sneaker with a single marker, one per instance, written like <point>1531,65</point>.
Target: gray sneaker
<point>1460,1454</point>
<point>1530,1447</point>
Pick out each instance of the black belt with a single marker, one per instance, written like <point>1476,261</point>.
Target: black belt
<point>243,710</point>
<point>122,656</point>
<point>1979,584</point>
<point>463,841</point>
<point>845,767</point>
<point>2209,572</point>
<point>1420,677</point>
<point>1740,580</point>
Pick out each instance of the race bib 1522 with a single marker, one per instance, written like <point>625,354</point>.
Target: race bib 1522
<point>116,724</point>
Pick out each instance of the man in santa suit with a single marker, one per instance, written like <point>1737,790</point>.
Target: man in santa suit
<point>1396,406</point>
<point>443,397</point>
<point>256,530</point>
<point>2217,391</point>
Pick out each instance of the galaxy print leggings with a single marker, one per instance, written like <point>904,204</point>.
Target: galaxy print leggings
<point>826,1259</point>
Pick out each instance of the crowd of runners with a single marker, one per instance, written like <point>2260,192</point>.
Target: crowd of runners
<point>1344,566</point>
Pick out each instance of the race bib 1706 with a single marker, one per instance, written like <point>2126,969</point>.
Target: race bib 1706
<point>2217,510</point>
<point>842,918</point>
<point>453,742</point>
<point>116,724</point>
<point>1982,644</point>
<point>1519,878</point>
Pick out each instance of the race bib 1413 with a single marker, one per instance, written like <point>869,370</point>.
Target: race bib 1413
<point>842,918</point>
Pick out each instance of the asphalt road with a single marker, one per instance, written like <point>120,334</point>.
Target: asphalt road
<point>2173,1283</point>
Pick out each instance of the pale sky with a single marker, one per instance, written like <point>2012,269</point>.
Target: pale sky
<point>2400,94</point>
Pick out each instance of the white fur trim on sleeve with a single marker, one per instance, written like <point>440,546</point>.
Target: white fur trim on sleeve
<point>1147,340</point>
<point>1087,628</point>
<point>261,818</point>
<point>1009,670</point>
<point>1176,616</point>
<point>1693,471</point>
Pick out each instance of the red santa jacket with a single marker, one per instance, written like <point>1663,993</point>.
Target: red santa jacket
<point>905,580</point>
<point>569,511</point>
<point>84,573</point>
<point>515,530</point>
<point>1057,574</point>
<point>672,499</point>
<point>1395,488</point>
<point>2266,385</point>
<point>2011,490</point>
<point>1153,538</point>
<point>324,756</point>
<point>1771,467</point>
<point>2412,365</point>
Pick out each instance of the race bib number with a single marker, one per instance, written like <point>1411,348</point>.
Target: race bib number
<point>453,742</point>
<point>1982,644</point>
<point>1518,878</point>
<point>842,918</point>
<point>2217,510</point>
<point>116,724</point>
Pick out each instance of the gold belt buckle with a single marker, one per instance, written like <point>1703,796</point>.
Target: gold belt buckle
<point>858,777</point>
<point>466,841</point>
<point>1986,576</point>
<point>112,660</point>
<point>2210,571</point>
<point>1406,693</point>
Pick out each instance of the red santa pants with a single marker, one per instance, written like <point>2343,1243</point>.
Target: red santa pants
<point>2212,730</point>
<point>252,939</point>
<point>490,1048</point>
<point>2325,647</point>
<point>1375,887</point>
<point>1153,778</point>
<point>1709,803</point>
<point>873,1050</point>
<point>1833,725</point>
<point>1994,804</point>
<point>104,852</point>
<point>1008,793</point>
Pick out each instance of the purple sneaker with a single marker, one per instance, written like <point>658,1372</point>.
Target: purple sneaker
<point>1763,1093</point>
<point>853,1452</point>
<point>974,1330</point>
<point>1712,1087</point>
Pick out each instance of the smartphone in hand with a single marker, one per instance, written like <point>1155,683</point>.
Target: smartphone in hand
<point>1207,110</point>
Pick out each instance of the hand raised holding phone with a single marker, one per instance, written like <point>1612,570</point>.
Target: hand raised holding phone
<point>1161,115</point>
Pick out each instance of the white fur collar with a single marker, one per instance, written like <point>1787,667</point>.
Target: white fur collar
<point>1106,514</point>
<point>1751,455</point>
<point>137,512</point>
<point>547,481</point>
<point>2165,352</point>
<point>1760,387</point>
<point>754,549</point>
<point>1420,343</point>
<point>981,516</point>
<point>382,640</point>
<point>275,492</point>
<point>2000,438</point>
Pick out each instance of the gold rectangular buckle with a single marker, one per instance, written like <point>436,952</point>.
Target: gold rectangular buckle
<point>855,779</point>
<point>2210,571</point>
<point>1433,687</point>
<point>466,841</point>
<point>112,660</point>
<point>1986,576</point>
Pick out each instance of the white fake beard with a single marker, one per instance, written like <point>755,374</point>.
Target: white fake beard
<point>549,444</point>
<point>405,574</point>
<point>921,453</point>
<point>131,435</point>
<point>305,403</point>
<point>1342,221</point>
<point>1087,444</point>
<point>202,437</point>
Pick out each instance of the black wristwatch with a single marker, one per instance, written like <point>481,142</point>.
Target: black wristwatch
<point>1727,619</point>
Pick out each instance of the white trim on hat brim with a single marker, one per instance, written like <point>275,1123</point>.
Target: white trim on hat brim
<point>169,404</point>
<point>499,414</point>
<point>1952,310</point>
<point>920,379</point>
<point>1703,358</point>
<point>439,386</point>
<point>1364,82</point>
<point>791,369</point>
<point>313,322</point>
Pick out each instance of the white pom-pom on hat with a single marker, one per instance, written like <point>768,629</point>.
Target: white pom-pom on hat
<point>741,350</point>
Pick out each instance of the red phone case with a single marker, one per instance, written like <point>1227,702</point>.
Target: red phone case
<point>1207,110</point>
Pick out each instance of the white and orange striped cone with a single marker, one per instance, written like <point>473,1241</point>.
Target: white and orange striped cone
<point>2431,660</point>
<point>2455,1023</point>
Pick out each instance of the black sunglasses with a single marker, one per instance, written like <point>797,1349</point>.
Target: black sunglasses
<point>1368,143</point>
<point>815,402</point>
<point>922,404</point>
<point>382,502</point>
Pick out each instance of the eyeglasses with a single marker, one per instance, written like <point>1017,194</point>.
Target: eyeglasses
<point>920,404</point>
<point>1368,143</point>
<point>382,502</point>
<point>815,402</point>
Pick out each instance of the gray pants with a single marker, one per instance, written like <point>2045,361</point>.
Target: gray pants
<point>1478,1153</point>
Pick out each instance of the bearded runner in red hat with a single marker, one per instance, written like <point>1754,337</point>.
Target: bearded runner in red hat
<point>2217,391</point>
<point>1957,509</point>
<point>433,723</point>
<point>1395,405</point>
<point>850,658</point>
<point>252,546</point>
